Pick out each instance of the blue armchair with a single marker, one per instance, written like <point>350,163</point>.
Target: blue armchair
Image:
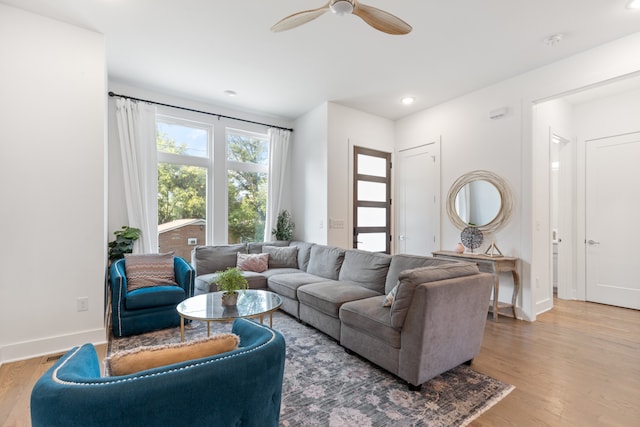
<point>240,388</point>
<point>147,309</point>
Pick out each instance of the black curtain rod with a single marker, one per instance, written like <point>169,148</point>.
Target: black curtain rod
<point>219,116</point>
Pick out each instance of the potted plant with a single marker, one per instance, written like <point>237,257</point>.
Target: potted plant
<point>123,244</point>
<point>284,226</point>
<point>230,281</point>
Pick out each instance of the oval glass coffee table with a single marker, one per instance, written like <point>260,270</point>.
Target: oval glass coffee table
<point>209,308</point>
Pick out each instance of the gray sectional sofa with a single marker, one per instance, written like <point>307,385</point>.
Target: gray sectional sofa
<point>435,322</point>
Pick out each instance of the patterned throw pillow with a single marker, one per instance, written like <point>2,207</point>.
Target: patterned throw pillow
<point>144,271</point>
<point>253,262</point>
<point>388,300</point>
<point>142,358</point>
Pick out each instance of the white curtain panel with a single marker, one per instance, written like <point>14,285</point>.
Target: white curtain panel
<point>136,129</point>
<point>278,155</point>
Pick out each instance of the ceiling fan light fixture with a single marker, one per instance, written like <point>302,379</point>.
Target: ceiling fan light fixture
<point>342,7</point>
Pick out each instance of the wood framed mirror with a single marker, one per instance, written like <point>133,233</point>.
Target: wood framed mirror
<point>479,199</point>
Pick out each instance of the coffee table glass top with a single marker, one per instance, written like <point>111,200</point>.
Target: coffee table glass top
<point>252,302</point>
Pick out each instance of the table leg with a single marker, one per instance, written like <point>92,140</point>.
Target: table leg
<point>271,319</point>
<point>516,291</point>
<point>208,328</point>
<point>261,319</point>
<point>496,300</point>
<point>181,329</point>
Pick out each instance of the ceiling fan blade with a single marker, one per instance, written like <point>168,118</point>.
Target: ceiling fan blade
<point>381,20</point>
<point>299,18</point>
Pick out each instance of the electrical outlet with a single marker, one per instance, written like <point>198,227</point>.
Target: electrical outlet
<point>83,303</point>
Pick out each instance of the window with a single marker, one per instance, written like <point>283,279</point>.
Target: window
<point>193,185</point>
<point>184,166</point>
<point>247,182</point>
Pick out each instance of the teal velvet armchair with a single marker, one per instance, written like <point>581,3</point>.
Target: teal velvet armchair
<point>242,387</point>
<point>147,309</point>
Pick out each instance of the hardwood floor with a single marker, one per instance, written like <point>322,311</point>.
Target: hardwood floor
<point>577,365</point>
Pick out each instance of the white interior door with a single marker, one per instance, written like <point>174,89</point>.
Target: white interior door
<point>612,235</point>
<point>417,211</point>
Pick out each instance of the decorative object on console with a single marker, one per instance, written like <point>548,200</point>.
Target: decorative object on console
<point>472,238</point>
<point>493,250</point>
<point>460,248</point>
<point>230,281</point>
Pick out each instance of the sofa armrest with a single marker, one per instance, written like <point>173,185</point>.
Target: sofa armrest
<point>444,326</point>
<point>185,275</point>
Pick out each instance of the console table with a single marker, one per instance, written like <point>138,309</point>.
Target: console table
<point>494,265</point>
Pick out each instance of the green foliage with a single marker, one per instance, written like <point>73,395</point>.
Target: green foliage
<point>182,190</point>
<point>247,191</point>
<point>123,244</point>
<point>284,226</point>
<point>230,280</point>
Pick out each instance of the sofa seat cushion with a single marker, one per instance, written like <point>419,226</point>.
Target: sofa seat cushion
<point>369,269</point>
<point>255,280</point>
<point>275,271</point>
<point>328,296</point>
<point>370,318</point>
<point>287,284</point>
<point>154,297</point>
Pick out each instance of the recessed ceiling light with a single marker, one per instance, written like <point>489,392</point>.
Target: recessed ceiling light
<point>230,93</point>
<point>633,4</point>
<point>553,39</point>
<point>408,100</point>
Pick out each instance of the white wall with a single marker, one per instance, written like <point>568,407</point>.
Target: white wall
<point>323,169</point>
<point>349,128</point>
<point>53,185</point>
<point>309,175</point>
<point>470,140</point>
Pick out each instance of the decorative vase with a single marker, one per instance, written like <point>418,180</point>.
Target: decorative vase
<point>460,248</point>
<point>230,299</point>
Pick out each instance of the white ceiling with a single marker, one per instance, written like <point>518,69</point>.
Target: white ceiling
<point>197,49</point>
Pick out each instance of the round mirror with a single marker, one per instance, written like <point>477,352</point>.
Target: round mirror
<point>479,199</point>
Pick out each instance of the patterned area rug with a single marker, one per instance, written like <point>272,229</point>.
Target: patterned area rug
<point>325,386</point>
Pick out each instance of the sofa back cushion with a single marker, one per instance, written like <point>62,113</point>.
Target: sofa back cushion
<point>209,259</point>
<point>256,247</point>
<point>402,262</point>
<point>282,257</point>
<point>409,279</point>
<point>304,253</point>
<point>325,261</point>
<point>366,268</point>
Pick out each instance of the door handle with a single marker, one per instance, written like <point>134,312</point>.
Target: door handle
<point>592,242</point>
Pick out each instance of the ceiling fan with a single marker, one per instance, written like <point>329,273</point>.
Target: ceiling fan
<point>377,18</point>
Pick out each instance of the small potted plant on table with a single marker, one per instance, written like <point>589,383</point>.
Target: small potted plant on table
<point>230,281</point>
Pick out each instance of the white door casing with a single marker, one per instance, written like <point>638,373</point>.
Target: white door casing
<point>417,210</point>
<point>612,201</point>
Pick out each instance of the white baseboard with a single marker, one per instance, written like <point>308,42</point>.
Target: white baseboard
<point>50,345</point>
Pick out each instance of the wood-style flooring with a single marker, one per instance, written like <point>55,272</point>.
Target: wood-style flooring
<point>577,365</point>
